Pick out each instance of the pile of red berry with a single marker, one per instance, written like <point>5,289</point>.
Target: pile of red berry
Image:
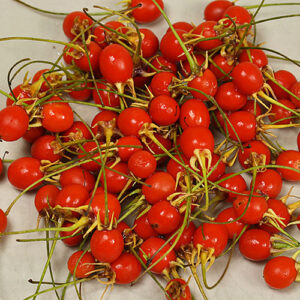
<point>147,186</point>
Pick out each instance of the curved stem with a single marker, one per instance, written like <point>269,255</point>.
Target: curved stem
<point>192,63</point>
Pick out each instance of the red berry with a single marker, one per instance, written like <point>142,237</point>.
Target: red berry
<point>194,138</point>
<point>255,244</point>
<point>248,78</point>
<point>252,209</point>
<point>151,247</point>
<point>127,268</point>
<point>85,266</point>
<point>14,122</point>
<point>116,64</point>
<point>211,236</point>
<point>142,164</point>
<point>280,272</point>
<point>107,245</point>
<point>147,12</point>
<point>289,158</point>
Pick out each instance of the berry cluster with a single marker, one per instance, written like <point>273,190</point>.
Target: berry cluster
<point>147,186</point>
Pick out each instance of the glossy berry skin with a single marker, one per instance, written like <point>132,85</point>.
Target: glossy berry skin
<point>161,186</point>
<point>75,23</point>
<point>98,207</point>
<point>255,244</point>
<point>150,43</point>
<point>73,240</point>
<point>45,197</point>
<point>173,167</point>
<point>163,64</point>
<point>256,149</point>
<point>255,210</point>
<point>281,210</point>
<point>82,92</point>
<point>248,78</point>
<point>122,226</point>
<point>160,83</point>
<point>218,171</point>
<point>279,112</point>
<point>223,64</point>
<point>45,148</point>
<point>78,131</point>
<point>170,47</point>
<point>102,119</point>
<point>235,184</point>
<point>115,181</point>
<point>178,289</point>
<point>214,10</point>
<point>194,138</point>
<point>20,93</point>
<point>234,228</point>
<point>131,120</point>
<point>298,219</point>
<point>90,60</point>
<point>33,133</point>
<point>163,217</point>
<point>14,122</point>
<point>84,267</point>
<point>155,149</point>
<point>258,57</point>
<point>127,268</point>
<point>126,152</point>
<point>206,30</point>
<point>142,164</point>
<point>23,172</point>
<point>211,236</point>
<point>186,237</point>
<point>230,98</point>
<point>289,158</point>
<point>100,36</point>
<point>73,195</point>
<point>244,124</point>
<point>77,175</point>
<point>151,247</point>
<point>148,12</point>
<point>206,83</point>
<point>286,79</point>
<point>268,183</point>
<point>44,74</point>
<point>102,96</point>
<point>89,148</point>
<point>3,221</point>
<point>253,107</point>
<point>107,245</point>
<point>295,89</point>
<point>182,25</point>
<point>57,116</point>
<point>194,113</point>
<point>239,14</point>
<point>164,110</point>
<point>186,68</point>
<point>280,272</point>
<point>1,166</point>
<point>143,228</point>
<point>116,64</point>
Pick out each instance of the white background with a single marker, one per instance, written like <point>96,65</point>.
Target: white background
<point>19,262</point>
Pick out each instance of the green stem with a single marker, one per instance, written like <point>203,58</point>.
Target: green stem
<point>271,4</point>
<point>47,262</point>
<point>192,63</point>
<point>50,12</point>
